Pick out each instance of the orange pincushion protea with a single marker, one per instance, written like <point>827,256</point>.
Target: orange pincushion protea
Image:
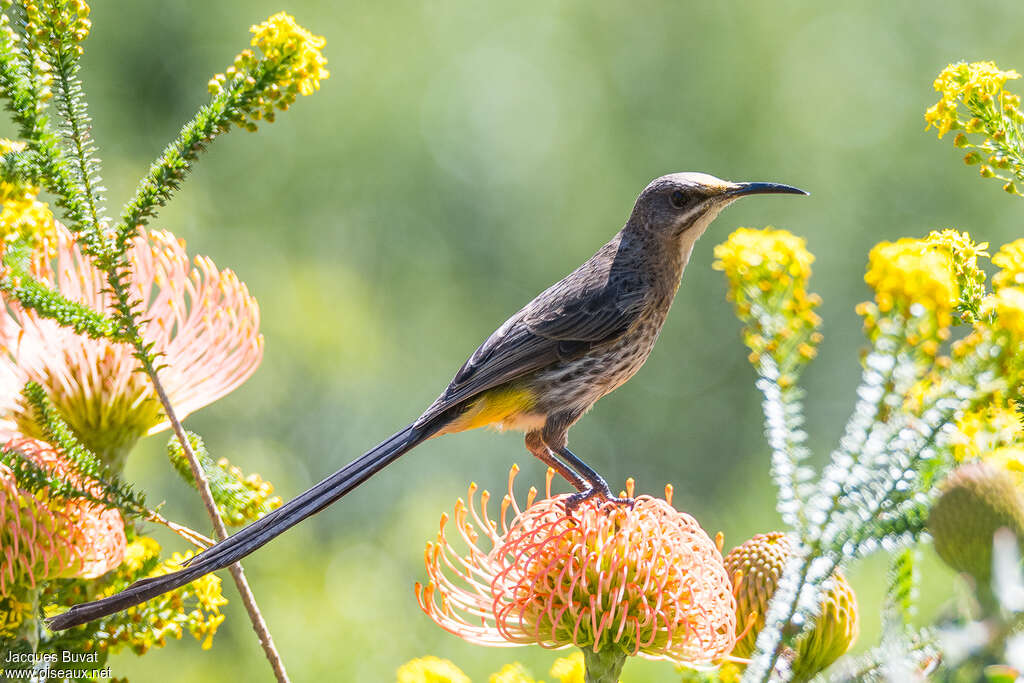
<point>645,580</point>
<point>42,540</point>
<point>202,321</point>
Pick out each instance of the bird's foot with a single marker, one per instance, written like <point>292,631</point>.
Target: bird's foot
<point>602,492</point>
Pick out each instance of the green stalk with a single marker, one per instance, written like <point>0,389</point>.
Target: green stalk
<point>603,666</point>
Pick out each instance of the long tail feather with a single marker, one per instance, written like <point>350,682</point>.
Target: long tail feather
<point>252,537</point>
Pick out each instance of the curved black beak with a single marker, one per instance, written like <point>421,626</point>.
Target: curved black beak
<point>743,189</point>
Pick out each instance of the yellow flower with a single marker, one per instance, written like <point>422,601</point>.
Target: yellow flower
<point>976,82</point>
<point>767,271</point>
<point>431,669</point>
<point>291,65</point>
<point>512,673</point>
<point>1008,306</point>
<point>72,16</point>
<point>1010,259</point>
<point>906,273</point>
<point>1010,459</point>
<point>140,551</point>
<point>22,215</point>
<point>569,669</point>
<point>970,279</point>
<point>283,41</point>
<point>988,428</point>
<point>193,608</point>
<point>990,111</point>
<point>13,613</point>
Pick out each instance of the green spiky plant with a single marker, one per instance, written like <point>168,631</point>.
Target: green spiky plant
<point>923,403</point>
<point>56,466</point>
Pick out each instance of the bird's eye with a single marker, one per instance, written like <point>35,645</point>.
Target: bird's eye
<point>678,199</point>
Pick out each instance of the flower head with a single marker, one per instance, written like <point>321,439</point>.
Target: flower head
<point>915,293</point>
<point>202,321</point>
<point>70,17</point>
<point>282,40</point>
<point>987,429</point>
<point>431,669</point>
<point>970,279</point>
<point>291,65</point>
<point>22,215</point>
<point>1010,259</point>
<point>759,564</point>
<point>977,82</point>
<point>908,272</point>
<point>975,100</point>
<point>193,608</point>
<point>768,271</point>
<point>13,613</point>
<point>42,539</point>
<point>1007,305</point>
<point>644,580</point>
<point>977,499</point>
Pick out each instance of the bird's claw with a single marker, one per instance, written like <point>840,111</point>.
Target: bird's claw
<point>604,493</point>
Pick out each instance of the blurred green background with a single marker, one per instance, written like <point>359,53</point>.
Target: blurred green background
<point>463,156</point>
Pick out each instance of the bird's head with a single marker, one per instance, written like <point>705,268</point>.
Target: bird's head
<point>680,206</point>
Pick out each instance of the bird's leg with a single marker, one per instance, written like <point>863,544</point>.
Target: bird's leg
<point>598,486</point>
<point>535,444</point>
<point>556,437</point>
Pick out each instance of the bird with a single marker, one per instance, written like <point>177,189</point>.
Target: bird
<point>538,373</point>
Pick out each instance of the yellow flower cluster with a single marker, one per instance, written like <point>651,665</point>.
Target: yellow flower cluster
<point>432,669</point>
<point>767,271</point>
<point>283,41</point>
<point>970,279</point>
<point>1007,304</point>
<point>291,60</point>
<point>915,282</point>
<point>12,615</point>
<point>255,497</point>
<point>149,624</point>
<point>1010,259</point>
<point>963,82</point>
<point>988,428</point>
<point>512,673</point>
<point>64,17</point>
<point>1009,458</point>
<point>991,111</point>
<point>23,215</point>
<point>998,339</point>
<point>906,273</point>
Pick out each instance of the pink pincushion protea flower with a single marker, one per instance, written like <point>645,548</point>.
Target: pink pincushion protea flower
<point>644,580</point>
<point>202,321</point>
<point>42,540</point>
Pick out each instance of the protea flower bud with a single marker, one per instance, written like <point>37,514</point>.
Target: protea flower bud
<point>977,499</point>
<point>759,563</point>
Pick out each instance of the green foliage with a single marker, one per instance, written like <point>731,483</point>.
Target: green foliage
<point>879,486</point>
<point>239,499</point>
<point>18,282</point>
<point>901,592</point>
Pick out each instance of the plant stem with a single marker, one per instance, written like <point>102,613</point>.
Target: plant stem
<point>603,666</point>
<point>259,625</point>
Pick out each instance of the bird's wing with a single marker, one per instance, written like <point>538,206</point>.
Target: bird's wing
<point>564,322</point>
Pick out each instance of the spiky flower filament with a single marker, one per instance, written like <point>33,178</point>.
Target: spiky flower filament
<point>42,539</point>
<point>645,580</point>
<point>202,322</point>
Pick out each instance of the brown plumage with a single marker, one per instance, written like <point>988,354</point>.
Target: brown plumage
<point>539,372</point>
